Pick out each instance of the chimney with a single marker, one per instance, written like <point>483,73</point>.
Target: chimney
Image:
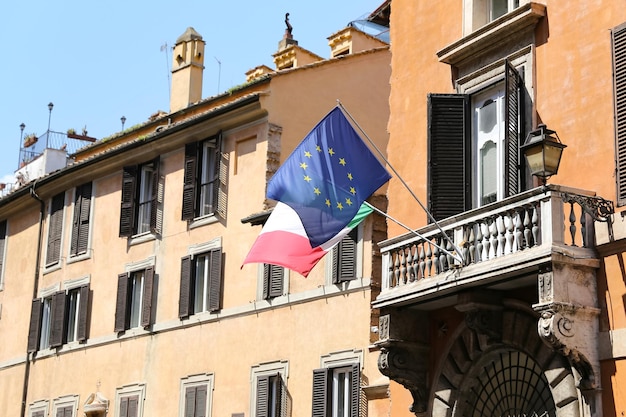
<point>187,67</point>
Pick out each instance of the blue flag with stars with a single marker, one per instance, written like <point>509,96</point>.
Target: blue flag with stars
<point>327,177</point>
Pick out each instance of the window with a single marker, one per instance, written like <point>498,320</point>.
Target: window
<point>134,299</point>
<point>59,318</point>
<point>129,400</point>
<point>55,229</point>
<point>66,406</point>
<point>273,281</point>
<point>204,179</point>
<point>38,409</point>
<point>200,282</point>
<point>195,395</point>
<point>270,397</point>
<point>336,391</point>
<point>473,146</point>
<point>3,245</point>
<point>618,41</point>
<point>142,200</point>
<point>344,258</point>
<point>80,223</point>
<point>481,12</point>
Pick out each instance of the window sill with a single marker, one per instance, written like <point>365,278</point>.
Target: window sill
<point>51,268</point>
<point>203,221</point>
<point>144,237</point>
<point>492,35</point>
<point>78,258</point>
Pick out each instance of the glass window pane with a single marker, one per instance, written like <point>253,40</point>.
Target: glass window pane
<point>207,179</point>
<point>200,284</point>
<point>487,116</point>
<point>488,173</point>
<point>145,197</point>
<point>72,315</point>
<point>136,288</point>
<point>44,340</point>
<point>498,8</point>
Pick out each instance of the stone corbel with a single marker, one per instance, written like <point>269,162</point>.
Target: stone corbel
<point>404,358</point>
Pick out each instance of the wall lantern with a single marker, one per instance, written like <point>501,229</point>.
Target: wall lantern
<point>543,150</point>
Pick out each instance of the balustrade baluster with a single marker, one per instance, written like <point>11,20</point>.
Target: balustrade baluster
<point>429,260</point>
<point>583,227</point>
<point>519,240</point>
<point>535,225</point>
<point>396,269</point>
<point>527,228</point>
<point>501,239</point>
<point>409,265</point>
<point>486,237</point>
<point>436,258</point>
<point>422,264</point>
<point>572,223</point>
<point>472,244</point>
<point>479,242</point>
<point>508,224</point>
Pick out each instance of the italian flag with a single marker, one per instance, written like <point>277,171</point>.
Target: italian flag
<point>284,242</point>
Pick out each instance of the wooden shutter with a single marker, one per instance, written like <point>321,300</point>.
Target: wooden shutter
<point>321,399</point>
<point>273,277</point>
<point>618,43</point>
<point>64,412</point>
<point>190,402</point>
<point>34,330</point>
<point>80,225</point>
<point>215,280</point>
<point>513,130</point>
<point>148,285</point>
<point>124,407</point>
<point>448,155</point>
<point>190,181</point>
<point>83,309</point>
<point>57,319</point>
<point>128,205</point>
<point>133,406</point>
<point>38,414</point>
<point>186,287</point>
<point>355,390</point>
<point>55,229</point>
<point>122,318</point>
<point>345,258</point>
<point>262,396</point>
<point>3,237</point>
<point>201,398</point>
<point>221,175</point>
<point>156,203</point>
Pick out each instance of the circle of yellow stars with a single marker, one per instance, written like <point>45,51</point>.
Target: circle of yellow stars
<point>342,161</point>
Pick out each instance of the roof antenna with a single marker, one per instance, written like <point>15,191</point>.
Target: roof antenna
<point>219,73</point>
<point>167,65</point>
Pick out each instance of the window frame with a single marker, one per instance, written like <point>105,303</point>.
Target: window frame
<point>323,404</point>
<point>130,391</point>
<point>478,13</point>
<point>82,215</point>
<point>54,234</point>
<point>262,372</point>
<point>65,402</point>
<point>215,277</point>
<point>193,381</point>
<point>123,303</point>
<point>38,408</point>
<point>133,194</point>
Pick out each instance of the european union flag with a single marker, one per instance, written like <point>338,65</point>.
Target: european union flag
<point>327,177</point>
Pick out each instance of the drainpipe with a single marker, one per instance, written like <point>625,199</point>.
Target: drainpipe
<point>42,208</point>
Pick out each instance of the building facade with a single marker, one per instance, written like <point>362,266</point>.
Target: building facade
<point>122,290</point>
<point>509,299</point>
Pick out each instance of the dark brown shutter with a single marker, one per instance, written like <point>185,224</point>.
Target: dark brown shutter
<point>55,229</point>
<point>186,288</point>
<point>80,226</point>
<point>344,258</point>
<point>221,174</point>
<point>273,276</point>
<point>122,318</point>
<point>156,203</point>
<point>64,412</point>
<point>83,309</point>
<point>215,280</point>
<point>513,131</point>
<point>129,191</point>
<point>148,285</point>
<point>133,406</point>
<point>618,38</point>
<point>448,155</point>
<point>124,407</point>
<point>262,396</point>
<point>34,330</point>
<point>355,390</point>
<point>321,399</point>
<point>201,398</point>
<point>190,402</point>
<point>3,237</point>
<point>57,319</point>
<point>190,181</point>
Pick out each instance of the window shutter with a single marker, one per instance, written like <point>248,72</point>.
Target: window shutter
<point>124,407</point>
<point>190,180</point>
<point>448,155</point>
<point>514,132</point>
<point>355,390</point>
<point>129,191</point>
<point>321,399</point>
<point>262,395</point>
<point>64,412</point>
<point>618,41</point>
<point>156,204</point>
<point>34,329</point>
<point>221,173</point>
<point>122,319</point>
<point>148,285</point>
<point>344,258</point>
<point>273,277</point>
<point>133,405</point>
<point>190,402</point>
<point>215,280</point>
<point>55,229</point>
<point>83,309</point>
<point>38,414</point>
<point>58,319</point>
<point>186,287</point>
<point>80,225</point>
<point>280,402</point>
<point>201,397</point>
<point>3,236</point>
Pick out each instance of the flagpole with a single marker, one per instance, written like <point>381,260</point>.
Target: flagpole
<point>430,216</point>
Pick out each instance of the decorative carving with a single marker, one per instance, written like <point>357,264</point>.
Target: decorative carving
<point>597,207</point>
<point>487,322</point>
<point>546,291</point>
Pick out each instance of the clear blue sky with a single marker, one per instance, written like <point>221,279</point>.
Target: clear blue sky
<point>99,61</point>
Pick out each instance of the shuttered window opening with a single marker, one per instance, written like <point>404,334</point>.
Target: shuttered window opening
<point>80,223</point>
<point>273,281</point>
<point>65,411</point>
<point>204,180</point>
<point>133,306</point>
<point>59,319</point>
<point>141,208</point>
<point>3,240</point>
<point>129,406</point>
<point>196,401</point>
<point>337,391</point>
<point>55,229</point>
<point>271,396</point>
<point>344,258</point>
<point>453,130</point>
<point>618,43</point>
<point>200,283</point>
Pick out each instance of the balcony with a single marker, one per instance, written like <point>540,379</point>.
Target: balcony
<point>504,246</point>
